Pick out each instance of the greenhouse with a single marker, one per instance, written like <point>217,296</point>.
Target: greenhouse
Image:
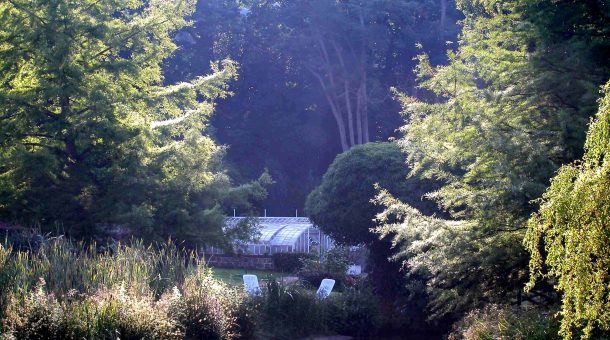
<point>281,235</point>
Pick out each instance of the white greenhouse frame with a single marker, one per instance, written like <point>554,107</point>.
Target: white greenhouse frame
<point>281,235</point>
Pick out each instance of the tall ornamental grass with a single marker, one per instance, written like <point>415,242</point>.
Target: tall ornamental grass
<point>506,322</point>
<point>65,265</point>
<point>68,290</point>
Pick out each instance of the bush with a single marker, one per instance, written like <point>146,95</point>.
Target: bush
<point>212,310</point>
<point>311,278</point>
<point>81,294</point>
<point>170,295</point>
<point>292,312</point>
<point>333,267</point>
<point>336,260</point>
<point>108,314</point>
<point>206,309</point>
<point>355,312</point>
<point>291,262</point>
<point>503,322</point>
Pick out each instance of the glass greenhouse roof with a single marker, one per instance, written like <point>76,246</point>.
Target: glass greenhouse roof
<point>268,231</point>
<point>278,231</point>
<point>288,235</point>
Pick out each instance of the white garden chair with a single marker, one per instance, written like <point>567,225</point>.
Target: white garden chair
<point>326,287</point>
<point>251,284</point>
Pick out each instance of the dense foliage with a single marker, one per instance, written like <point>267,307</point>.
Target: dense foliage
<point>506,322</point>
<point>291,262</point>
<point>292,312</point>
<point>106,130</point>
<point>90,136</point>
<point>450,262</point>
<point>512,106</point>
<point>64,291</point>
<point>342,206</point>
<point>333,265</point>
<point>569,236</point>
<point>285,118</point>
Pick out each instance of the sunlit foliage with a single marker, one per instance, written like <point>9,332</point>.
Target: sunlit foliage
<point>512,106</point>
<point>65,290</point>
<point>452,262</point>
<point>569,237</point>
<point>91,136</point>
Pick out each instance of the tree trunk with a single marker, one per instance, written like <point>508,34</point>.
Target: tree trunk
<point>344,87</point>
<point>350,116</point>
<point>340,125</point>
<point>359,115</point>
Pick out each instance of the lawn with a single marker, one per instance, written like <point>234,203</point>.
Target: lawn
<point>234,276</point>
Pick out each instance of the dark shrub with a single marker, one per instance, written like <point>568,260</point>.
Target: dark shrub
<point>312,278</point>
<point>336,260</point>
<point>290,262</point>
<point>314,272</point>
<point>245,316</point>
<point>506,322</point>
<point>290,312</point>
<point>355,312</point>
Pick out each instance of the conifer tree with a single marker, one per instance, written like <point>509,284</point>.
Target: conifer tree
<point>90,135</point>
<point>511,107</point>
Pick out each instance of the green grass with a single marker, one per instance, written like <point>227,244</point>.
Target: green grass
<point>234,276</point>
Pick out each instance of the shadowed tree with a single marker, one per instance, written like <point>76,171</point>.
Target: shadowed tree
<point>341,206</point>
<point>511,106</point>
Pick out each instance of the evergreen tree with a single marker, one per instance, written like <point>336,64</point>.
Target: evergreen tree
<point>90,136</point>
<point>512,106</point>
<point>453,265</point>
<point>341,206</point>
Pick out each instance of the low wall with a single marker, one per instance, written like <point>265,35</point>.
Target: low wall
<point>260,262</point>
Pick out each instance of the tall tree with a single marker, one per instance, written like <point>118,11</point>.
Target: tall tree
<point>569,236</point>
<point>91,137</point>
<point>341,206</point>
<point>279,117</point>
<point>510,108</point>
<point>339,64</point>
<point>349,46</point>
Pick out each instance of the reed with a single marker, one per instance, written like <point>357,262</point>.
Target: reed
<point>61,289</point>
<point>66,265</point>
<point>66,289</point>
